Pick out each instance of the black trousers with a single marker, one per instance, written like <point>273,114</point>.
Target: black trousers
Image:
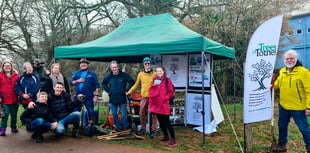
<point>165,125</point>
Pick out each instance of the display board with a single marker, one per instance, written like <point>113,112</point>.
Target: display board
<point>193,108</point>
<point>175,66</point>
<point>195,71</point>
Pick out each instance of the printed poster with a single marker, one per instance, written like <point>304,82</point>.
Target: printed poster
<point>175,66</point>
<point>194,107</point>
<point>196,70</point>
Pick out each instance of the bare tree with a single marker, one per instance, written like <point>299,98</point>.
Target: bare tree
<point>32,28</point>
<point>232,24</point>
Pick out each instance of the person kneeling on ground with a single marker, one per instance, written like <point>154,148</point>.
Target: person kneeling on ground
<point>63,109</point>
<point>40,119</point>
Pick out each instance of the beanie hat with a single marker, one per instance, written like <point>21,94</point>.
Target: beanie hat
<point>146,59</point>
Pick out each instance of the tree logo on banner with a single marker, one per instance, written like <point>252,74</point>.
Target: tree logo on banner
<point>261,71</point>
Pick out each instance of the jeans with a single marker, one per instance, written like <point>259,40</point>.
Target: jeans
<point>72,118</point>
<point>89,104</point>
<point>39,125</point>
<point>123,109</point>
<point>300,119</point>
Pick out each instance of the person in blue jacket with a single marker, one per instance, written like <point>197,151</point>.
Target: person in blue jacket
<point>86,86</point>
<point>117,83</point>
<point>27,85</point>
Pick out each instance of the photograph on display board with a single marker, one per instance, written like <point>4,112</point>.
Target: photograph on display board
<point>194,107</point>
<point>195,71</point>
<point>175,66</point>
<point>156,60</point>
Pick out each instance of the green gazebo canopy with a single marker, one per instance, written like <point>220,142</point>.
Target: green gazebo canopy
<point>139,37</point>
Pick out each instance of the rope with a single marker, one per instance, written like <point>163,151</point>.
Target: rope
<point>227,114</point>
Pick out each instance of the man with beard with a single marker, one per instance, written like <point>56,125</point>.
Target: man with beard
<point>86,84</point>
<point>294,84</point>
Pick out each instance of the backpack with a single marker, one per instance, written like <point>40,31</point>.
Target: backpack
<point>171,100</point>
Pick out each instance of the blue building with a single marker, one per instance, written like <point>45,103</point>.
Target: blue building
<point>298,39</point>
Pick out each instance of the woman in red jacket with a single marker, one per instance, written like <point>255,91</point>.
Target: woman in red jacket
<point>8,78</point>
<point>159,96</point>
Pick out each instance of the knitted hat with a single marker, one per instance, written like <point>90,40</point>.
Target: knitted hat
<point>146,59</point>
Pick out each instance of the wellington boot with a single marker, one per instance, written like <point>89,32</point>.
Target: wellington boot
<point>2,131</point>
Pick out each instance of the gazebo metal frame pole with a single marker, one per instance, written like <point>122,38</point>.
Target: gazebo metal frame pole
<point>203,98</point>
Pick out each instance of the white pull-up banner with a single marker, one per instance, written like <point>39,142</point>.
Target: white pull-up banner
<point>260,60</point>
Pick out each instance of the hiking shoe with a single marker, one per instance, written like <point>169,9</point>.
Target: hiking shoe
<point>116,128</point>
<point>280,147</point>
<point>127,128</point>
<point>172,142</point>
<point>76,134</point>
<point>14,130</point>
<point>39,138</point>
<point>164,139</point>
<point>152,134</point>
<point>34,136</point>
<point>141,132</point>
<point>28,127</point>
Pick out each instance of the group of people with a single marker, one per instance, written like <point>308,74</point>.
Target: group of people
<point>156,90</point>
<point>45,96</point>
<point>48,105</point>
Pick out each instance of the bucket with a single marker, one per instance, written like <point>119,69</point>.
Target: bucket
<point>111,121</point>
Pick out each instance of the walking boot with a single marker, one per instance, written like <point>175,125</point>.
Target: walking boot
<point>76,133</point>
<point>308,149</point>
<point>14,130</point>
<point>152,134</point>
<point>173,142</point>
<point>2,131</point>
<point>92,119</point>
<point>34,136</point>
<point>141,132</point>
<point>280,147</point>
<point>39,138</point>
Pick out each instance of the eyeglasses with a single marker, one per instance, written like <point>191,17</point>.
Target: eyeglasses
<point>147,63</point>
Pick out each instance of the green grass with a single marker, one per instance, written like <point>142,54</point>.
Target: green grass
<point>223,140</point>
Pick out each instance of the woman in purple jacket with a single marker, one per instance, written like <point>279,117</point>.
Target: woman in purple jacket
<point>159,96</point>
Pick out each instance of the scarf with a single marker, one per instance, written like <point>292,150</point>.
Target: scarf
<point>56,79</point>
